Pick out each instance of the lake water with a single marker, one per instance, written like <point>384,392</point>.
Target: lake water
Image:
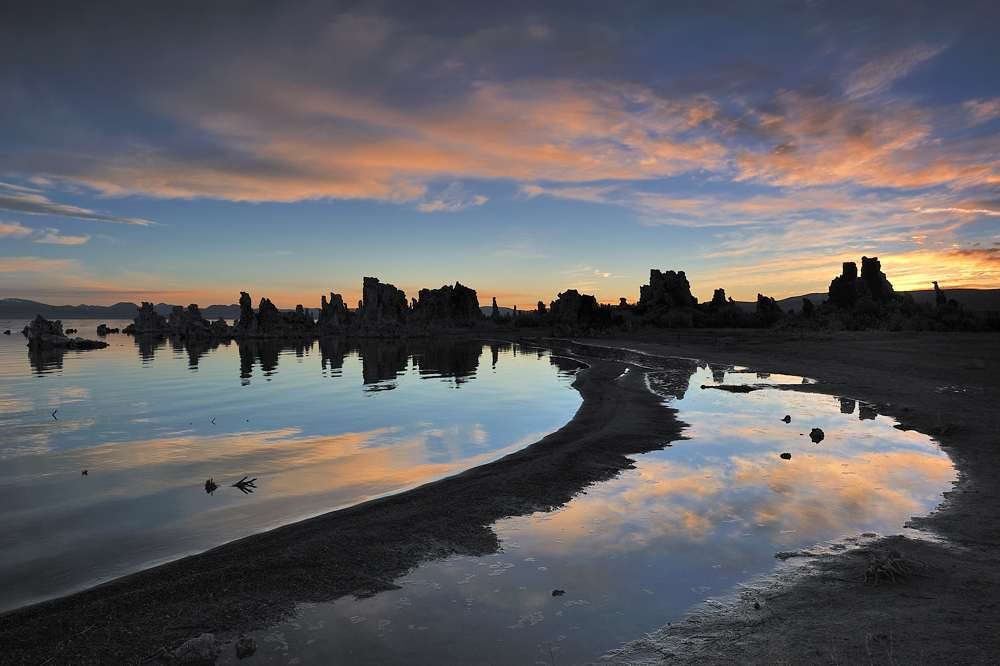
<point>639,551</point>
<point>327,424</point>
<point>321,425</point>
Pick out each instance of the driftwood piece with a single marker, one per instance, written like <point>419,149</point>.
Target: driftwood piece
<point>244,485</point>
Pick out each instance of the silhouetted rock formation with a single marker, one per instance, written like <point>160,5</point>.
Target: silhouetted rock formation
<point>188,323</point>
<point>102,329</point>
<point>270,323</point>
<point>665,292</point>
<point>847,289</point>
<point>572,308</point>
<point>808,309</point>
<point>383,311</point>
<point>939,298</point>
<point>768,311</point>
<point>45,334</point>
<point>148,321</point>
<point>457,304</point>
<point>718,300</point>
<point>334,317</point>
<point>872,276</point>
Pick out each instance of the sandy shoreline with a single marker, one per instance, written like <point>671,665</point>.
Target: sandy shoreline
<point>942,384</point>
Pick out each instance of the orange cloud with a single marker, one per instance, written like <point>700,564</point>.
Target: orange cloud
<point>34,264</point>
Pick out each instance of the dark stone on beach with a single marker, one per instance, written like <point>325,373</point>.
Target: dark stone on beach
<point>731,388</point>
<point>200,651</point>
<point>786,456</point>
<point>558,593</point>
<point>788,418</point>
<point>245,647</point>
<point>816,435</point>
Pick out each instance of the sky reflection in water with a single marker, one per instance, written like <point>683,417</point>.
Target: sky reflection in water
<point>636,552</point>
<point>320,425</point>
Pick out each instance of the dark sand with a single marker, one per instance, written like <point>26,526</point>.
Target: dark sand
<point>945,385</point>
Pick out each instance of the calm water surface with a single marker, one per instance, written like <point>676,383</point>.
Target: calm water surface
<point>320,426</point>
<point>637,552</point>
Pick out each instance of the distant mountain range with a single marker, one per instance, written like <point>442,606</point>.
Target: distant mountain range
<point>19,308</point>
<point>970,299</point>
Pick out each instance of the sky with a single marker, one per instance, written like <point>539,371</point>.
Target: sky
<point>186,151</point>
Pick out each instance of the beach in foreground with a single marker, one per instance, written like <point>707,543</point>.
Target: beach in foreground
<point>944,385</point>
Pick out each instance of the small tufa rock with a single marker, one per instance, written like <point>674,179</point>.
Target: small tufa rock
<point>786,456</point>
<point>788,418</point>
<point>816,435</point>
<point>84,473</point>
<point>558,593</point>
<point>211,486</point>
<point>245,647</point>
<point>201,650</point>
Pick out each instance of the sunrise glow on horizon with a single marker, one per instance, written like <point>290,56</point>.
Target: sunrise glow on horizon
<point>186,151</point>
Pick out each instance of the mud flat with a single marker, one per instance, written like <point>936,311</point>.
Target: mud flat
<point>947,611</point>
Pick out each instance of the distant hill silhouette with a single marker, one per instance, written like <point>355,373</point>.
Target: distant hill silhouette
<point>19,308</point>
<point>974,300</point>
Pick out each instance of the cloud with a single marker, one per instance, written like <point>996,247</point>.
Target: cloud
<point>52,236</point>
<point>877,75</point>
<point>36,204</point>
<point>34,264</point>
<point>982,111</point>
<point>13,230</point>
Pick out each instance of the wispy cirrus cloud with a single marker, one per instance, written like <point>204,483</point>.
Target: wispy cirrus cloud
<point>34,264</point>
<point>880,73</point>
<point>14,230</point>
<point>51,236</point>
<point>37,204</point>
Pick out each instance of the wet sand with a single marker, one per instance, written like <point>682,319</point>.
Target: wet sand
<point>944,385</point>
